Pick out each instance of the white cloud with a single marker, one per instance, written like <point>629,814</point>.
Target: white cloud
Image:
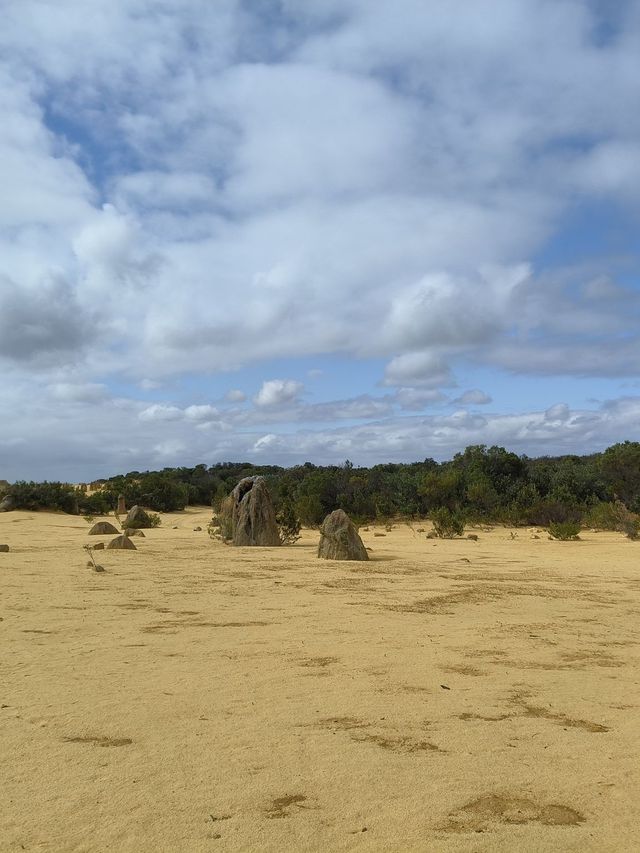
<point>473,397</point>
<point>275,392</point>
<point>201,413</point>
<point>418,368</point>
<point>418,398</point>
<point>191,188</point>
<point>235,395</point>
<point>267,443</point>
<point>161,412</point>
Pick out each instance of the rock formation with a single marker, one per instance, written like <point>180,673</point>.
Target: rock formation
<point>250,515</point>
<point>339,539</point>
<point>7,503</point>
<point>101,528</point>
<point>122,543</point>
<point>136,517</point>
<point>4,549</point>
<point>134,531</point>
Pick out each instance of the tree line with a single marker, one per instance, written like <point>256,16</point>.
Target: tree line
<point>480,484</point>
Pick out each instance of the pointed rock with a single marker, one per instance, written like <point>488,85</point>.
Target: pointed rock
<point>122,543</point>
<point>101,528</point>
<point>137,517</point>
<point>339,539</point>
<point>250,517</point>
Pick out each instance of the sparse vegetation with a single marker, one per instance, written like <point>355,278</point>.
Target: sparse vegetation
<point>447,524</point>
<point>288,523</point>
<point>564,530</point>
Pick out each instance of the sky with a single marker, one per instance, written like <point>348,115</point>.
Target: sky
<point>282,231</point>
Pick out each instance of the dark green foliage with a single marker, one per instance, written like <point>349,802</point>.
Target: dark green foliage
<point>52,496</point>
<point>564,530</point>
<point>488,484</point>
<point>620,467</point>
<point>447,524</point>
<point>288,523</point>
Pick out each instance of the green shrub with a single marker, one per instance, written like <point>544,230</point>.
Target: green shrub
<point>604,516</point>
<point>51,496</point>
<point>288,523</point>
<point>564,530</point>
<point>447,524</point>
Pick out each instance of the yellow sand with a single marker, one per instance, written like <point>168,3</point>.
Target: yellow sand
<point>446,696</point>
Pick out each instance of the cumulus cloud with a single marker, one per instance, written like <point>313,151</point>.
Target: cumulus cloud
<point>235,395</point>
<point>161,412</point>
<point>473,397</point>
<point>418,368</point>
<point>201,413</point>
<point>204,188</point>
<point>418,398</point>
<point>275,392</point>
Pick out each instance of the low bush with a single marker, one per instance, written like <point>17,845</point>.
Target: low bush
<point>564,530</point>
<point>447,524</point>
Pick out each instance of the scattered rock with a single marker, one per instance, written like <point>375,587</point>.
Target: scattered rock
<point>420,530</point>
<point>4,549</point>
<point>7,503</point>
<point>339,539</point>
<point>249,514</point>
<point>379,534</point>
<point>197,529</point>
<point>99,546</point>
<point>473,537</point>
<point>175,527</point>
<point>432,535</point>
<point>101,528</point>
<point>133,531</point>
<point>122,543</point>
<point>137,517</point>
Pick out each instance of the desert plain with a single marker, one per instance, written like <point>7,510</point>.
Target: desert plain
<point>447,695</point>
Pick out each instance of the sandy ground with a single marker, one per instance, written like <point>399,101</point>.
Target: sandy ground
<point>446,696</point>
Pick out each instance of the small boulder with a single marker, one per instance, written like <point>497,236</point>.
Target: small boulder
<point>197,529</point>
<point>122,543</point>
<point>102,528</point>
<point>99,546</point>
<point>4,549</point>
<point>339,539</point>
<point>137,517</point>
<point>133,531</point>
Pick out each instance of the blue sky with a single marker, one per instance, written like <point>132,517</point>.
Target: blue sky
<point>316,230</point>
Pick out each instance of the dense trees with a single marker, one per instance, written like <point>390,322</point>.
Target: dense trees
<point>480,484</point>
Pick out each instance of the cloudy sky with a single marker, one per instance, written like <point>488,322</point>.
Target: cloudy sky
<point>289,230</point>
